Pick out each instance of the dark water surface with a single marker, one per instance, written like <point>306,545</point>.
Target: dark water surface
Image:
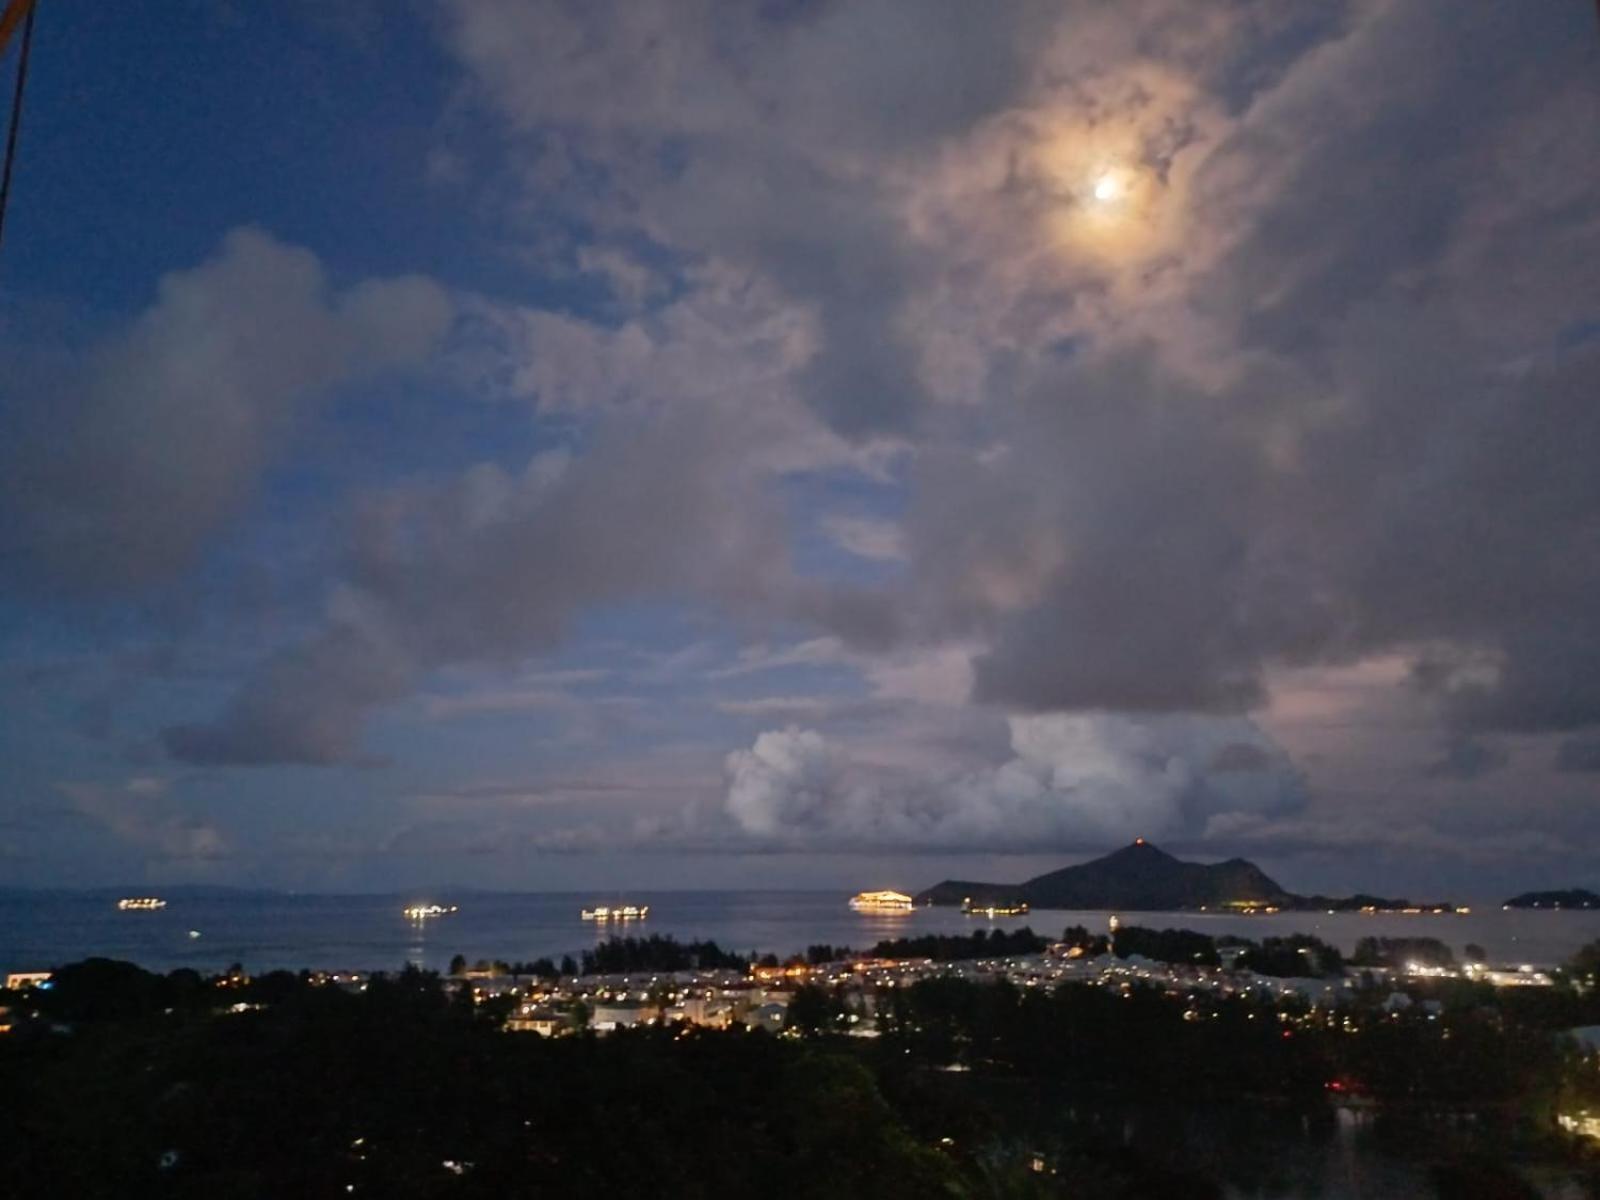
<point>266,931</point>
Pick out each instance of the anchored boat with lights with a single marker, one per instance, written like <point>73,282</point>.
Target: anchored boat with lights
<point>994,908</point>
<point>881,902</point>
<point>141,903</point>
<point>625,912</point>
<point>425,912</point>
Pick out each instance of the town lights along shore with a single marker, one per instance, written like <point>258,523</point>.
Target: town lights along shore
<point>141,904</point>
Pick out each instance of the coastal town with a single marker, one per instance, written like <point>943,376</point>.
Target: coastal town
<point>761,995</point>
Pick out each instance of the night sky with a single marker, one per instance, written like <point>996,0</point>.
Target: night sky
<point>793,443</point>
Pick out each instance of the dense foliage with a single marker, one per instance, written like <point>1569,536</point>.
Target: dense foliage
<point>1080,939</point>
<point>983,943</point>
<point>1166,945</point>
<point>539,968</point>
<point>1141,1042</point>
<point>628,955</point>
<point>1585,964</point>
<point>129,1083</point>
<point>404,1090</point>
<point>817,955</point>
<point>1298,955</point>
<point>1398,951</point>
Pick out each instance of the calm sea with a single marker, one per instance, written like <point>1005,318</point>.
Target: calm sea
<point>264,932</point>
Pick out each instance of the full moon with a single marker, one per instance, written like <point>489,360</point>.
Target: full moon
<point>1106,188</point>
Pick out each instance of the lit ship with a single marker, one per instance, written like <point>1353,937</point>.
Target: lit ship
<point>881,902</point>
<point>624,912</point>
<point>140,904</point>
<point>978,908</point>
<point>422,912</point>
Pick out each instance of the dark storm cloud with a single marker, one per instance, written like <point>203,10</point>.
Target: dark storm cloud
<point>1579,755</point>
<point>1151,498</point>
<point>783,126</point>
<point>1239,756</point>
<point>1397,456</point>
<point>307,704</point>
<point>1192,560</point>
<point>115,473</point>
<point>494,567</point>
<point>1536,680</point>
<point>1467,758</point>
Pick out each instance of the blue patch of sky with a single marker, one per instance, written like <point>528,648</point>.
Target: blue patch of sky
<point>673,657</point>
<point>153,129</point>
<point>449,749</point>
<point>813,497</point>
<point>1578,334</point>
<point>1064,348</point>
<point>1300,29</point>
<point>39,726</point>
<point>845,487</point>
<point>416,429</point>
<point>818,554</point>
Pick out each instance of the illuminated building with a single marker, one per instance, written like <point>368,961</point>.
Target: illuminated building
<point>543,1021</point>
<point>620,1014</point>
<point>1582,1124</point>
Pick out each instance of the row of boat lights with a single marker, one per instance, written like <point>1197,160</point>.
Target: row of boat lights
<point>871,902</point>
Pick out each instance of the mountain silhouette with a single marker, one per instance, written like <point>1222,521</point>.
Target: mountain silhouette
<point>1138,876</point>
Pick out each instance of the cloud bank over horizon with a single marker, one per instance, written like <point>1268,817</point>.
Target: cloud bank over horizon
<point>1073,783</point>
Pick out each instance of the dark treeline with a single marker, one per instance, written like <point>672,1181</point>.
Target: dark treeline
<point>130,1083</point>
<point>1366,901</point>
<point>1297,955</point>
<point>982,943</point>
<point>539,968</point>
<point>1397,951</point>
<point>1143,1043</point>
<point>823,953</point>
<point>1081,940</point>
<point>1585,964</point>
<point>615,956</point>
<point>408,1090</point>
<point>1167,945</point>
<point>620,956</point>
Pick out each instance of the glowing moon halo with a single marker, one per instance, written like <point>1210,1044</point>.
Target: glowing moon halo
<point>1106,188</point>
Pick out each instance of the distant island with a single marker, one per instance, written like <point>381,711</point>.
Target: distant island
<point>1565,898</point>
<point>1141,877</point>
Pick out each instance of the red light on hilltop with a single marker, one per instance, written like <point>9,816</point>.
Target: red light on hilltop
<point>1138,841</point>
